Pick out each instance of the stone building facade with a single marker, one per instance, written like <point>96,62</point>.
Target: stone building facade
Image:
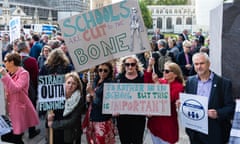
<point>173,19</point>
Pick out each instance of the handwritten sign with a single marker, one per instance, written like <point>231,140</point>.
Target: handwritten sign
<point>136,99</point>
<point>14,28</point>
<point>51,92</point>
<point>104,34</point>
<point>193,112</point>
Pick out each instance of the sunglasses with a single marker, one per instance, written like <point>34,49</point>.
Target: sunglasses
<point>103,70</point>
<point>166,71</point>
<point>130,64</point>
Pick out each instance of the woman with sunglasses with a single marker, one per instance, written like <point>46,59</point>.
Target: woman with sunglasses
<point>130,127</point>
<point>100,129</point>
<point>164,129</point>
<point>19,108</point>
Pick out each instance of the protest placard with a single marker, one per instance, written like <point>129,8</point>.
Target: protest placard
<point>5,125</point>
<point>2,99</point>
<point>14,28</point>
<point>104,34</point>
<point>51,92</point>
<point>235,130</point>
<point>193,112</point>
<point>136,99</point>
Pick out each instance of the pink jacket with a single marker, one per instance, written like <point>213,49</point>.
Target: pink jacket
<point>20,109</point>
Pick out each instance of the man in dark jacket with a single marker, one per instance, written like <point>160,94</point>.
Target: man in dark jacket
<point>156,36</point>
<point>30,64</point>
<point>221,104</point>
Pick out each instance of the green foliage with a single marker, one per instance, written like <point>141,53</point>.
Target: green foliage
<point>171,35</point>
<point>147,18</point>
<point>165,2</point>
<point>146,14</point>
<point>148,2</point>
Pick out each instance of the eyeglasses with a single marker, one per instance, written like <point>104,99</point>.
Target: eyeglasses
<point>103,70</point>
<point>130,64</point>
<point>166,71</point>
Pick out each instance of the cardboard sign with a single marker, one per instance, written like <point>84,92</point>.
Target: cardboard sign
<point>5,125</point>
<point>235,130</point>
<point>14,28</point>
<point>51,92</point>
<point>193,112</point>
<point>104,34</point>
<point>136,99</point>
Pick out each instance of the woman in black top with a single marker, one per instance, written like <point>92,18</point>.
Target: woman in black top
<point>74,106</point>
<point>100,129</point>
<point>130,127</point>
<point>56,63</point>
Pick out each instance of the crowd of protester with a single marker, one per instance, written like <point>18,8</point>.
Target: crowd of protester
<point>176,61</point>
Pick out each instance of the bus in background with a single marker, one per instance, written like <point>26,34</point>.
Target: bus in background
<point>39,28</point>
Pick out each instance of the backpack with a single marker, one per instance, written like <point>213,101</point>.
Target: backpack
<point>32,92</point>
<point>162,60</point>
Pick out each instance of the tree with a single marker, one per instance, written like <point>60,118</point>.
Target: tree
<point>171,2</point>
<point>148,2</point>
<point>146,14</point>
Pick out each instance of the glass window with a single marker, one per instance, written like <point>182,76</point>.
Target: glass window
<point>159,23</point>
<point>178,21</point>
<point>189,21</point>
<point>169,23</point>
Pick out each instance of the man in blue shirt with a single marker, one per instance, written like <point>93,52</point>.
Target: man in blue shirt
<point>221,104</point>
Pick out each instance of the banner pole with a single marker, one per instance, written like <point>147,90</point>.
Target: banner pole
<point>50,131</point>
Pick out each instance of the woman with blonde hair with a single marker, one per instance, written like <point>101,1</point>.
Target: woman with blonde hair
<point>130,127</point>
<point>164,129</point>
<point>121,67</point>
<point>74,107</point>
<point>56,63</point>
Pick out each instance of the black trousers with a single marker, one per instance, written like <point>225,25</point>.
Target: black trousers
<point>131,129</point>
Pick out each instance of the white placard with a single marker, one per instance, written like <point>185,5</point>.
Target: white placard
<point>136,99</point>
<point>15,28</point>
<point>193,112</point>
<point>2,99</point>
<point>103,34</point>
<point>235,131</point>
<point>4,126</point>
